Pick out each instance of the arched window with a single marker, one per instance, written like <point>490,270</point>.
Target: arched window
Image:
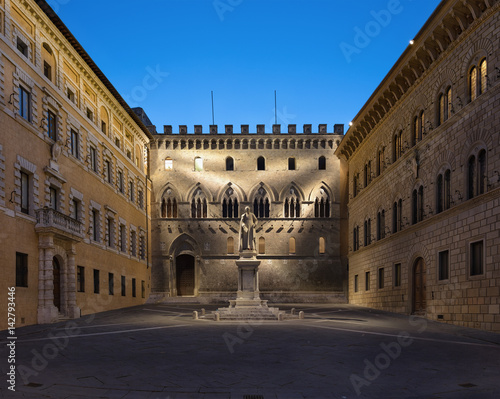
<point>169,163</point>
<point>322,204</point>
<point>443,191</point>
<point>261,163</point>
<point>261,204</point>
<point>322,163</point>
<point>418,127</point>
<point>322,246</point>
<point>355,238</point>
<point>199,206</point>
<point>368,232</point>
<point>483,76</point>
<point>262,245</point>
<point>476,175</point>
<point>230,245</point>
<point>445,106</point>
<point>291,163</point>
<point>417,201</point>
<point>229,163</point>
<point>230,205</point>
<point>473,83</point>
<point>292,205</point>
<point>291,245</point>
<point>397,146</point>
<point>380,161</point>
<point>169,208</point>
<point>397,216</point>
<point>198,164</point>
<point>381,225</point>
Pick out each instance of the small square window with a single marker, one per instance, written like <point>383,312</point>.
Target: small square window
<point>71,95</point>
<point>47,70</point>
<point>90,114</point>
<point>22,47</point>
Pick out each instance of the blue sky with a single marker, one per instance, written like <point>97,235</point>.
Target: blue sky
<point>324,57</point>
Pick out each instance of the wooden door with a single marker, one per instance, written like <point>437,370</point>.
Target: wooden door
<point>419,297</point>
<point>56,272</point>
<point>185,275</point>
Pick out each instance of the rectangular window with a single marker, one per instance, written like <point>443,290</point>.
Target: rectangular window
<point>133,243</point>
<point>107,171</point>
<point>75,213</point>
<point>476,258</point>
<point>111,283</point>
<point>93,159</point>
<point>444,264</point>
<point>103,126</point>
<point>52,125</point>
<point>131,191</point>
<point>25,193</point>
<point>75,144</point>
<point>133,288</point>
<point>356,287</point>
<point>80,278</point>
<point>21,270</point>
<point>123,238</point>
<point>53,198</point>
<point>47,70</point>
<point>367,281</point>
<point>381,278</point>
<point>111,228</point>
<point>96,281</point>
<point>120,181</point>
<point>95,225</point>
<point>71,95</point>
<point>397,275</point>
<point>123,286</point>
<point>141,199</point>
<point>143,289</point>
<point>22,47</point>
<point>142,247</point>
<point>90,114</point>
<point>24,103</point>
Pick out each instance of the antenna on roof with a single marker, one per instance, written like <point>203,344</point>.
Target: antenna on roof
<point>275,109</point>
<point>213,114</point>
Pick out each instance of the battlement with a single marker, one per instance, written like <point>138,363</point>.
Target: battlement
<point>260,130</point>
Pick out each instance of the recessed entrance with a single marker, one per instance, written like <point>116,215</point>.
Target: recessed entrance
<point>185,275</point>
<point>56,271</point>
<point>419,298</point>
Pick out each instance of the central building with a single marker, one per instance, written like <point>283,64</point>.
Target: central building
<point>202,183</point>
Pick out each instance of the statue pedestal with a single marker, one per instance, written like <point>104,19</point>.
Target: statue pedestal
<point>247,305</point>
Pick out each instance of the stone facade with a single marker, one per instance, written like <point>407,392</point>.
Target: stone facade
<point>202,183</point>
<point>423,160</point>
<point>72,228</point>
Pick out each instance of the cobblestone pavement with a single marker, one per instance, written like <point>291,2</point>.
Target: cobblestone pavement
<point>337,351</point>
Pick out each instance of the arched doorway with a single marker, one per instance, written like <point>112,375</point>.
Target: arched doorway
<point>56,272</point>
<point>185,275</point>
<point>419,282</point>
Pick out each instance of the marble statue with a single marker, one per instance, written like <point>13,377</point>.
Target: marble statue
<point>248,222</point>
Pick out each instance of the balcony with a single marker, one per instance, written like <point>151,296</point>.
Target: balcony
<point>51,221</point>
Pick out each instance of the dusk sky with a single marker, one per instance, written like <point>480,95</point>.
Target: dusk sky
<point>324,57</point>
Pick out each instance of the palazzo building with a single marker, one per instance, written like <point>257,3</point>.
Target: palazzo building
<point>423,162</point>
<point>73,184</point>
<point>202,183</point>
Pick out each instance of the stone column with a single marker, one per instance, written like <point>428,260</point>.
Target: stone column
<point>47,312</point>
<point>73,311</point>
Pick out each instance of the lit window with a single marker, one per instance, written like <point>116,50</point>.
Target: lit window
<point>198,164</point>
<point>169,164</point>
<point>230,245</point>
<point>473,83</point>
<point>322,245</point>
<point>483,77</point>
<point>291,245</point>
<point>262,245</point>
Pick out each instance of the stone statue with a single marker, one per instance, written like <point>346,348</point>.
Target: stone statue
<point>56,150</point>
<point>248,222</point>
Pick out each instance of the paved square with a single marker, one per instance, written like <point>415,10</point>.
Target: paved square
<point>338,351</point>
